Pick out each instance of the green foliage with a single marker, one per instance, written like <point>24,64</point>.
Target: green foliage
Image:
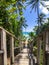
<point>34,4</point>
<point>24,38</point>
<point>42,28</point>
<point>41,19</point>
<point>11,16</point>
<point>16,43</point>
<point>31,35</point>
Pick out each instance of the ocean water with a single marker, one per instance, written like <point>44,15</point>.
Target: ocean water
<point>26,34</point>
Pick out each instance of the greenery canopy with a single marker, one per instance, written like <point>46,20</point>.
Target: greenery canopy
<point>11,16</point>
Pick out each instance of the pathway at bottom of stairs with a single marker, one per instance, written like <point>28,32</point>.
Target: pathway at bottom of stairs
<point>23,58</point>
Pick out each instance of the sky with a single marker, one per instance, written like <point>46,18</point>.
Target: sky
<point>32,17</point>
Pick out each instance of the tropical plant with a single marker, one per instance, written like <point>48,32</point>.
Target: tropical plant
<point>35,4</point>
<point>31,35</point>
<point>11,16</point>
<point>41,19</point>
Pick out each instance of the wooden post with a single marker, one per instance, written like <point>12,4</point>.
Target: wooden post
<point>12,50</point>
<point>3,46</point>
<point>48,60</point>
<point>47,47</point>
<point>44,47</point>
<point>47,40</point>
<point>38,51</point>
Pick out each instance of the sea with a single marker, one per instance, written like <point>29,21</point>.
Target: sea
<point>26,34</point>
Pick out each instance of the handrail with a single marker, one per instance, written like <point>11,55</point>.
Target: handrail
<point>1,28</point>
<point>16,47</point>
<point>1,51</point>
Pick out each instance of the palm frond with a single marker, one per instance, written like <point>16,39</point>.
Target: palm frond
<point>42,4</point>
<point>30,2</point>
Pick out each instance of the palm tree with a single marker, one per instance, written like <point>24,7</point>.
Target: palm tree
<point>41,19</point>
<point>35,4</point>
<point>31,35</point>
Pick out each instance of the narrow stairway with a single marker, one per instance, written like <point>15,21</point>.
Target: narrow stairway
<point>23,58</point>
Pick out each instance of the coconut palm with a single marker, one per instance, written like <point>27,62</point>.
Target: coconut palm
<point>35,4</point>
<point>41,19</point>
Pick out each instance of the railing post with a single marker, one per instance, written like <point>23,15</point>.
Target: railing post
<point>47,47</point>
<point>44,48</point>
<point>12,50</point>
<point>47,40</point>
<point>3,46</point>
<point>38,51</point>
